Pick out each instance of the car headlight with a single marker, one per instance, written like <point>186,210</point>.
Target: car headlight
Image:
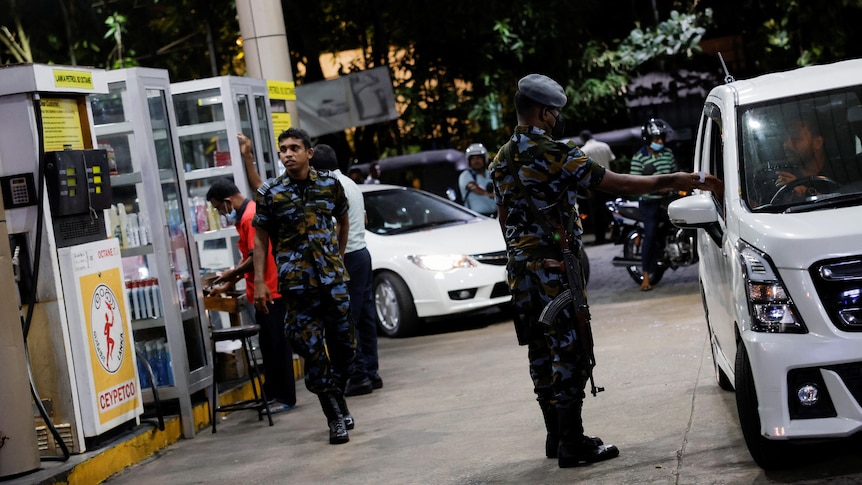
<point>771,308</point>
<point>443,262</point>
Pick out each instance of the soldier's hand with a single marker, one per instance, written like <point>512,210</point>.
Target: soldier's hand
<point>244,145</point>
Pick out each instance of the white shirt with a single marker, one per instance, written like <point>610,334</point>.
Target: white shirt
<point>599,151</point>
<point>355,213</point>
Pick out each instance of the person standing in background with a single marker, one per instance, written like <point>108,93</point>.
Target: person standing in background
<point>475,183</point>
<point>602,154</point>
<point>280,384</point>
<point>364,377</point>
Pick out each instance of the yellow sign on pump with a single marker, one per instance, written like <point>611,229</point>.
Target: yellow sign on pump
<point>67,78</point>
<point>281,90</point>
<point>61,124</point>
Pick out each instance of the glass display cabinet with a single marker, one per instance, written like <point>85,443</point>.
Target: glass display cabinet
<point>136,124</point>
<point>210,114</point>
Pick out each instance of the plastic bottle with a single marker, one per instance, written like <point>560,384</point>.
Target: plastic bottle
<point>129,298</point>
<point>119,232</point>
<point>212,216</point>
<point>192,211</point>
<point>156,296</point>
<point>201,216</point>
<point>133,230</point>
<point>181,291</point>
<point>143,376</point>
<point>136,300</point>
<point>152,358</point>
<point>166,364</point>
<point>143,229</point>
<point>147,296</point>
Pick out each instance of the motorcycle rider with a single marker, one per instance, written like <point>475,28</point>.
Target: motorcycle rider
<point>475,182</point>
<point>654,158</point>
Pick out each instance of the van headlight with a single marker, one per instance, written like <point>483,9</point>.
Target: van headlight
<point>771,308</point>
<point>442,262</point>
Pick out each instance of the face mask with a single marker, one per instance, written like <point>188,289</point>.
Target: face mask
<point>231,217</point>
<point>656,147</point>
<point>559,126</point>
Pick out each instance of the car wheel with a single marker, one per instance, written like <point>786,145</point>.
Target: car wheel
<point>768,454</point>
<point>722,379</point>
<point>396,312</point>
<point>632,250</point>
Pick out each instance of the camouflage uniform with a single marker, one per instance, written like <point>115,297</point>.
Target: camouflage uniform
<point>312,279</point>
<point>551,172</point>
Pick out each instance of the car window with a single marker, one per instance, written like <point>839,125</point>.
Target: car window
<point>714,148</point>
<point>398,211</point>
<point>798,152</point>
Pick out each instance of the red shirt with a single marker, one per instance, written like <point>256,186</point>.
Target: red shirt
<point>246,247</point>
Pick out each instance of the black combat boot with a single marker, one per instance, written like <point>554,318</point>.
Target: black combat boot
<point>342,404</point>
<point>337,428</point>
<point>552,441</point>
<point>549,412</point>
<point>575,448</point>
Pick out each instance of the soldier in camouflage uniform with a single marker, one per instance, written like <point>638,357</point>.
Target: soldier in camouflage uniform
<point>548,172</point>
<point>296,212</point>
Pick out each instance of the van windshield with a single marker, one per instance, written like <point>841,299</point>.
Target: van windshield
<point>802,153</point>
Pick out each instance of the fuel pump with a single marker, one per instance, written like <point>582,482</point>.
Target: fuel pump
<point>76,322</point>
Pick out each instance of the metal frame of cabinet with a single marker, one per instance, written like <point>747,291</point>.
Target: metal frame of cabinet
<point>210,113</point>
<point>137,122</point>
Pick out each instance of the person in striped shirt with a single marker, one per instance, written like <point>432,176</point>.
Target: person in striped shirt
<point>653,158</point>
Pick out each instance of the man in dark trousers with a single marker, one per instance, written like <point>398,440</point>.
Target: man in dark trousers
<point>535,186</point>
<point>280,384</point>
<point>364,377</point>
<point>304,213</point>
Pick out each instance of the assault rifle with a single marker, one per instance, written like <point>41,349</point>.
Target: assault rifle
<point>575,297</point>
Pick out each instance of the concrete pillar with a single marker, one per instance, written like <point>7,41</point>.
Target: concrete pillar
<point>264,40</point>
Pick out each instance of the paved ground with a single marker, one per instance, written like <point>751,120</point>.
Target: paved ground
<point>457,408</point>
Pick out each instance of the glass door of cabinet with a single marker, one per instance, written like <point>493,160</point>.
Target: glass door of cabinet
<point>135,124</point>
<point>179,256</point>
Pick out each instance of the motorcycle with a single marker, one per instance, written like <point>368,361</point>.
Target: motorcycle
<point>676,247</point>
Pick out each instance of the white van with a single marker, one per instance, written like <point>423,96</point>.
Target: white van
<point>781,253</point>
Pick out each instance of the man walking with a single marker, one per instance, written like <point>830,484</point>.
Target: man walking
<point>296,212</point>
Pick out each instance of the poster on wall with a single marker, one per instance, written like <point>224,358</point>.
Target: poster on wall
<point>103,350</point>
<point>357,99</point>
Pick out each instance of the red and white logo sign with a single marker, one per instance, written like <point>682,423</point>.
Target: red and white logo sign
<point>109,335</point>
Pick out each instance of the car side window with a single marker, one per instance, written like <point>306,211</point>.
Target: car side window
<point>712,148</point>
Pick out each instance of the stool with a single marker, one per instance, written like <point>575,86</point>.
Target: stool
<point>260,404</point>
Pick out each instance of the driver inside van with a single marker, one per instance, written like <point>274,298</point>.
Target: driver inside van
<point>803,146</point>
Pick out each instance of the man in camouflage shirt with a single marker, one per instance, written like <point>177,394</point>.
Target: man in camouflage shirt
<point>296,212</point>
<point>548,172</point>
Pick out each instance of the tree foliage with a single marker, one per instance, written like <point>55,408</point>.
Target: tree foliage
<point>455,64</point>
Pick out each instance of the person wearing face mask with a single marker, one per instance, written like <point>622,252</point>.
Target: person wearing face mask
<point>653,158</point>
<point>280,384</point>
<point>536,180</point>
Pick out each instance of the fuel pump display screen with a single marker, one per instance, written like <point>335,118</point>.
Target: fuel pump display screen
<point>78,181</point>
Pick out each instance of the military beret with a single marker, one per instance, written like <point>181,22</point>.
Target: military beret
<point>543,90</point>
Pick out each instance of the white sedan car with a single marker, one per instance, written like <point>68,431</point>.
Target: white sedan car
<point>430,257</point>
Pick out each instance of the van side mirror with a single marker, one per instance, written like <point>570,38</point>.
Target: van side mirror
<point>696,212</point>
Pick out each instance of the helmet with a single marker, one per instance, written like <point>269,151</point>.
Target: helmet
<point>477,149</point>
<point>654,127</point>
